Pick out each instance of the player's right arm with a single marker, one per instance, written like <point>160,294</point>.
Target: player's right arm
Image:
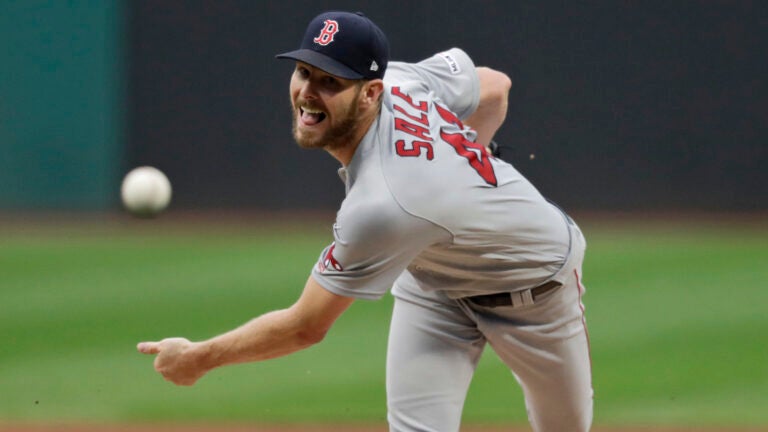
<point>271,335</point>
<point>492,108</point>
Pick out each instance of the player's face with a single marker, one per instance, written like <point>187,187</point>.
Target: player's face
<point>325,108</point>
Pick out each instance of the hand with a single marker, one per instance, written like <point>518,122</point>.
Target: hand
<point>493,149</point>
<point>175,360</point>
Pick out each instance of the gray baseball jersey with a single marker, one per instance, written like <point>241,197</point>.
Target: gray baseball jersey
<point>426,206</point>
<point>429,214</point>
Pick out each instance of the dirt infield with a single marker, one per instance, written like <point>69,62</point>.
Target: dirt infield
<point>327,428</point>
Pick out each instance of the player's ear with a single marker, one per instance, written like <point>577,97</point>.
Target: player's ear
<point>372,91</point>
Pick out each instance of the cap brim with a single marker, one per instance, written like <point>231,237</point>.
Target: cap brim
<point>321,61</point>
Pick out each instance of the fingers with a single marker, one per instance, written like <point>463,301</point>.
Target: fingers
<point>169,344</point>
<point>171,362</point>
<point>148,347</point>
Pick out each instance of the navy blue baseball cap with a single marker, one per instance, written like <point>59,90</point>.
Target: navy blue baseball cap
<point>344,44</point>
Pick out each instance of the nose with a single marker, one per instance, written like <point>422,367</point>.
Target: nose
<point>307,90</point>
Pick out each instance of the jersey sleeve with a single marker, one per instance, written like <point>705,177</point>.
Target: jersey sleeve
<point>450,75</point>
<point>372,246</point>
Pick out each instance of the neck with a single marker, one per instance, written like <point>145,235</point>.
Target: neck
<point>345,153</point>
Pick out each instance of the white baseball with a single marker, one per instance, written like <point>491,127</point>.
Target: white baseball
<point>145,191</point>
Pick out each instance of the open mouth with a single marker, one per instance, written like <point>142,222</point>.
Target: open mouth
<point>310,116</point>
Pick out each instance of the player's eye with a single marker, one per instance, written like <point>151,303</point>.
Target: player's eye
<point>302,72</point>
<point>331,82</point>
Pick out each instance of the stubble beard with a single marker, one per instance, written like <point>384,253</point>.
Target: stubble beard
<point>334,137</point>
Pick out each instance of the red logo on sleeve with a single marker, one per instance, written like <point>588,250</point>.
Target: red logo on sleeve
<point>326,34</point>
<point>330,261</point>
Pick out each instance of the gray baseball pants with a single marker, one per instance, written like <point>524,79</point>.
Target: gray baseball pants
<point>436,342</point>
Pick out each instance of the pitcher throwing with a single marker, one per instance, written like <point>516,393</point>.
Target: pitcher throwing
<point>471,251</point>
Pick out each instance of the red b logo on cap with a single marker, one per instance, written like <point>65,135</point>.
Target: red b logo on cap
<point>326,34</point>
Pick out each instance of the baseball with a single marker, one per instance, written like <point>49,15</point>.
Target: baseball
<point>145,191</point>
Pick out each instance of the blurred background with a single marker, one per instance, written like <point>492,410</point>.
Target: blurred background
<point>616,105</point>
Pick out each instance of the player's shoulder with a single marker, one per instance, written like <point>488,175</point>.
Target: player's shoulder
<point>449,77</point>
<point>366,216</point>
<point>369,201</point>
<point>452,61</point>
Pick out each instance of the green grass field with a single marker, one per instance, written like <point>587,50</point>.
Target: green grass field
<point>678,318</point>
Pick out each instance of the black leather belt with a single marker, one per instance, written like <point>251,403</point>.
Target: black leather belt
<point>505,299</point>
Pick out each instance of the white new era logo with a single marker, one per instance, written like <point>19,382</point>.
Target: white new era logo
<point>374,66</point>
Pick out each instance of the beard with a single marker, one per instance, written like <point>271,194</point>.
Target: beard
<point>336,136</point>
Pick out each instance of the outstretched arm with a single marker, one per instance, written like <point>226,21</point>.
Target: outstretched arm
<point>492,109</point>
<point>271,335</point>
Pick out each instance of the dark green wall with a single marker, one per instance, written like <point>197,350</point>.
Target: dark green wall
<point>60,103</point>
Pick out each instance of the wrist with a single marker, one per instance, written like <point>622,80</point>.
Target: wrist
<point>202,354</point>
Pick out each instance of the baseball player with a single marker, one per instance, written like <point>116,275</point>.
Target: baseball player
<point>472,252</point>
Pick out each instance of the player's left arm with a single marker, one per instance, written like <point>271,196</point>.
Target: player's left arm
<point>271,335</point>
<point>492,108</point>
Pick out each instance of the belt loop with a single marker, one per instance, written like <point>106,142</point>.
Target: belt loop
<point>522,298</point>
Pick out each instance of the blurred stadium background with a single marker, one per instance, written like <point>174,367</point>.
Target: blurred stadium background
<point>647,120</point>
<point>626,105</point>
